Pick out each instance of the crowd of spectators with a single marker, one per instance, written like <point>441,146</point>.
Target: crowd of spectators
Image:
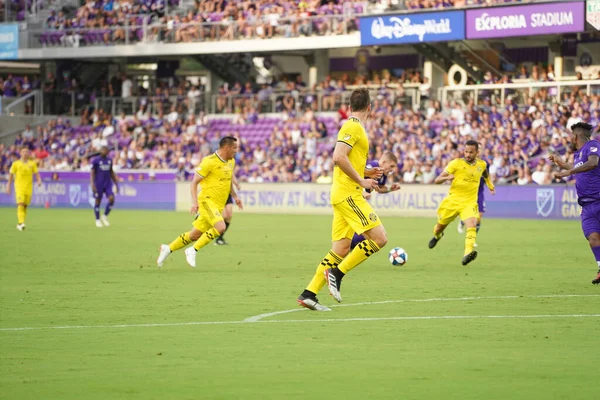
<point>291,146</point>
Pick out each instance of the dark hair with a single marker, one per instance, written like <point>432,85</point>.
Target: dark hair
<point>360,99</point>
<point>227,141</point>
<point>388,155</point>
<point>586,128</point>
<point>472,143</point>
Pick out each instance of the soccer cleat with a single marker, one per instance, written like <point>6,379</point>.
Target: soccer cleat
<point>190,256</point>
<point>104,219</point>
<point>333,285</point>
<point>220,242</point>
<point>162,256</point>
<point>99,224</point>
<point>311,303</point>
<point>21,227</point>
<point>469,257</point>
<point>434,241</point>
<point>474,244</point>
<point>460,227</point>
<point>597,280</point>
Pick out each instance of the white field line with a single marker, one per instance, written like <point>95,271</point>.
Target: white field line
<point>283,321</point>
<point>259,317</point>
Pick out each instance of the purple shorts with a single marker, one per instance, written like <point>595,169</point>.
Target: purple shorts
<point>105,190</point>
<point>590,219</point>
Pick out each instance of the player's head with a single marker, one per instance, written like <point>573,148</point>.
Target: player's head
<point>360,101</point>
<point>471,150</point>
<point>582,132</point>
<point>228,147</point>
<point>388,162</point>
<point>104,151</point>
<point>24,153</point>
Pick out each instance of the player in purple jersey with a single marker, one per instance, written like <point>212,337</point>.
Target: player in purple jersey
<point>587,183</point>
<point>101,180</point>
<point>384,166</point>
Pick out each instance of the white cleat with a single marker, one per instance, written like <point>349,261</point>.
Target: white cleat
<point>190,256</point>
<point>460,228</point>
<point>99,224</point>
<point>311,304</point>
<point>104,219</point>
<point>21,227</point>
<point>164,253</point>
<point>333,285</point>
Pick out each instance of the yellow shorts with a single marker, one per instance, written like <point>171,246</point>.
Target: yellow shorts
<point>208,215</point>
<point>449,210</point>
<point>23,197</point>
<point>352,215</point>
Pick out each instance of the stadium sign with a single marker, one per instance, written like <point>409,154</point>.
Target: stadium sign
<point>9,41</point>
<point>543,19</point>
<point>412,28</point>
<point>592,14</point>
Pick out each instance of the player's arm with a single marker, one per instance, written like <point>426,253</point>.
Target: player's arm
<point>445,176</point>
<point>235,182</point>
<point>558,160</point>
<point>114,178</point>
<point>488,181</point>
<point>93,178</point>
<point>385,189</point>
<point>233,192</point>
<point>589,165</point>
<point>340,158</point>
<point>194,192</point>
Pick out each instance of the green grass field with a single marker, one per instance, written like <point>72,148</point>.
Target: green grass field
<point>132,331</point>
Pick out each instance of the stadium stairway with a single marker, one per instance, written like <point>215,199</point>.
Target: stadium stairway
<point>444,56</point>
<point>229,67</point>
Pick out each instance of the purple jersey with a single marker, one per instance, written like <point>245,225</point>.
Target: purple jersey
<point>102,166</point>
<point>375,164</point>
<point>587,183</point>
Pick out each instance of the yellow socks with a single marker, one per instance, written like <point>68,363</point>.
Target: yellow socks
<point>436,234</point>
<point>206,238</point>
<point>331,260</point>
<point>470,240</point>
<point>181,241</point>
<point>361,252</point>
<point>21,213</point>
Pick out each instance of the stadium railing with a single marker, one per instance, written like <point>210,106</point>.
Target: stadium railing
<point>147,31</point>
<point>518,92</point>
<point>272,101</point>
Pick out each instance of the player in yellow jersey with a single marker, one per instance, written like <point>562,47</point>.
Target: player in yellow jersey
<point>465,175</point>
<point>214,175</point>
<point>351,212</point>
<point>22,172</point>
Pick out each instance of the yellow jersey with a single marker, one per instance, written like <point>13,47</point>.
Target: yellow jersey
<point>467,177</point>
<point>351,134</point>
<point>216,183</point>
<point>23,172</point>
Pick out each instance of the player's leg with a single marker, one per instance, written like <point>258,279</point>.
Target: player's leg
<point>111,202</point>
<point>590,223</point>
<point>97,200</point>
<point>212,220</point>
<point>470,214</point>
<point>227,215</point>
<point>446,213</point>
<point>359,214</point>
<point>340,234</point>
<point>460,227</point>
<point>21,213</point>
<point>180,241</point>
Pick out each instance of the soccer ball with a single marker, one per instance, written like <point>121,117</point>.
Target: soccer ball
<point>398,256</point>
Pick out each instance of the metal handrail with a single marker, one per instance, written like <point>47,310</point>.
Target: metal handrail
<point>530,86</point>
<point>35,95</point>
